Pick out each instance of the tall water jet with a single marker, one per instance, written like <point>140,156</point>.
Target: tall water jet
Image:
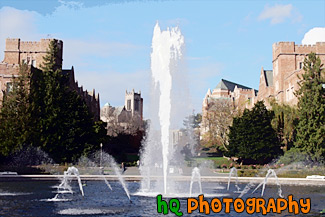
<point>166,52</point>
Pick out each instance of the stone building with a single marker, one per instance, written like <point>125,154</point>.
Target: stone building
<point>134,104</point>
<point>282,82</point>
<point>230,93</point>
<point>279,84</point>
<point>124,119</point>
<point>32,53</point>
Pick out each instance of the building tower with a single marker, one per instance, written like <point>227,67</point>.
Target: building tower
<point>134,103</point>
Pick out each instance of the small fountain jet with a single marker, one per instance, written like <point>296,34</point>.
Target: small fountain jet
<point>233,170</point>
<point>196,177</point>
<point>270,173</point>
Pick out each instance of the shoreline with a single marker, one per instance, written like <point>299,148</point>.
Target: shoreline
<point>137,178</point>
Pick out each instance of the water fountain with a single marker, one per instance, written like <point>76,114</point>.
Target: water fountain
<point>270,173</point>
<point>71,171</point>
<point>119,176</point>
<point>166,52</point>
<point>233,171</point>
<point>85,162</point>
<point>196,177</point>
<point>65,186</point>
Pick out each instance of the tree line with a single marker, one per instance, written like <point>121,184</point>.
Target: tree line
<point>42,111</point>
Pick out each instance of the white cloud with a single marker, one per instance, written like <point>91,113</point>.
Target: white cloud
<point>279,13</point>
<point>17,24</point>
<point>314,35</point>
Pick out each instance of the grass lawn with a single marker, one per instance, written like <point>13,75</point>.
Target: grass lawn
<point>217,161</point>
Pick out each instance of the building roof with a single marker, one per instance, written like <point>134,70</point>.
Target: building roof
<point>118,110</point>
<point>268,74</point>
<point>66,71</point>
<point>228,85</point>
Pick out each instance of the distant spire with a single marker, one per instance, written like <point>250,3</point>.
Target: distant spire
<point>208,93</point>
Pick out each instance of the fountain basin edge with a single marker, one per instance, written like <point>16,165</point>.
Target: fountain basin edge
<point>285,181</point>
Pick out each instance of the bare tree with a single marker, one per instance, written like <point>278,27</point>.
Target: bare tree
<point>216,121</point>
<point>121,122</point>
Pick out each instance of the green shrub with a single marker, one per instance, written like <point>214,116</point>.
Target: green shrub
<point>292,156</point>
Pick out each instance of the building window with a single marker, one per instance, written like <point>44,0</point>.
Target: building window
<point>301,65</point>
<point>34,63</point>
<point>24,61</point>
<point>290,93</point>
<point>9,87</point>
<point>136,105</point>
<point>128,106</point>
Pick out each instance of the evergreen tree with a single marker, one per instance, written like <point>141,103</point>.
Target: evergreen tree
<point>284,123</point>
<point>63,125</point>
<point>15,113</point>
<point>252,138</point>
<point>311,109</point>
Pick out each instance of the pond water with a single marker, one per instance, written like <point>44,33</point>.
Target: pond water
<point>33,198</point>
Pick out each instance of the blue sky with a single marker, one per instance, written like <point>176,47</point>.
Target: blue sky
<point>109,42</point>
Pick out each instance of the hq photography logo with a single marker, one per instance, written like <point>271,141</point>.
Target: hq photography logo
<point>250,205</point>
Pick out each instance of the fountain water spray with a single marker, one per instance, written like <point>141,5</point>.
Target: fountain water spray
<point>107,183</point>
<point>65,183</point>
<point>233,170</point>
<point>196,177</point>
<point>166,52</point>
<point>270,173</point>
<point>119,175</point>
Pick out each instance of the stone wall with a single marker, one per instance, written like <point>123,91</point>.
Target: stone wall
<point>31,52</point>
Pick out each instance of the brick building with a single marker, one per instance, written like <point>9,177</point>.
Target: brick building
<point>281,82</point>
<point>32,53</point>
<point>237,95</point>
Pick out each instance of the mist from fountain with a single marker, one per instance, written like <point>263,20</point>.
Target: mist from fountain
<point>105,161</point>
<point>85,162</point>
